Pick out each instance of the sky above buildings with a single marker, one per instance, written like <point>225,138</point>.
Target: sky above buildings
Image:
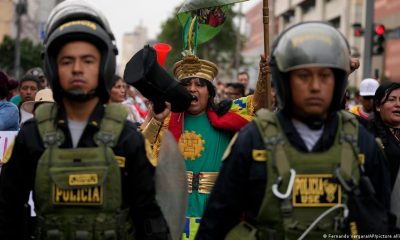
<point>125,15</point>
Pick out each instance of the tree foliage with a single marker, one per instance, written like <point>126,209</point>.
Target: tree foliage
<point>30,54</point>
<point>172,34</point>
<point>220,50</point>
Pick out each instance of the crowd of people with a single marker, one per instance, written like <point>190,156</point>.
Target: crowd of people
<point>16,93</point>
<point>88,145</point>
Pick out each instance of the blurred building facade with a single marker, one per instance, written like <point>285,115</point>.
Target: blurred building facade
<point>342,14</point>
<point>32,23</point>
<point>285,13</point>
<point>6,18</point>
<point>131,43</point>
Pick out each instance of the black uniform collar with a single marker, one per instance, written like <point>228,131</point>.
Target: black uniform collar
<point>91,128</point>
<point>94,119</point>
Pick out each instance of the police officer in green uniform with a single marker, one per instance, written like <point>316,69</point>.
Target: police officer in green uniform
<point>301,173</point>
<point>86,164</point>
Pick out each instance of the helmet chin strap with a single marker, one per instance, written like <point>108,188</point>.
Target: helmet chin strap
<point>79,96</point>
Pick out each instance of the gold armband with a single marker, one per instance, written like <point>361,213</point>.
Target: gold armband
<point>262,82</point>
<point>151,131</point>
<point>261,94</point>
<point>250,105</point>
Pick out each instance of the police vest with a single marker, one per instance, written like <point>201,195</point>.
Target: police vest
<point>78,190</point>
<point>302,187</point>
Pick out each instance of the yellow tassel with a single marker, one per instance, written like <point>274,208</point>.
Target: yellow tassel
<point>190,34</point>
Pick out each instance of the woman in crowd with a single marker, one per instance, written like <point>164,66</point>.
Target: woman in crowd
<point>135,98</point>
<point>386,125</point>
<point>118,95</point>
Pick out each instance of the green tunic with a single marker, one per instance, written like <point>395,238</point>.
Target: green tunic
<point>203,147</point>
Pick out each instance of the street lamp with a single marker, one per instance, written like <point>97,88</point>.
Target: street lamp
<point>20,9</point>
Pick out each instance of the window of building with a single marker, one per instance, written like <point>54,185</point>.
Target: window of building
<point>335,22</point>
<point>288,17</point>
<point>307,6</point>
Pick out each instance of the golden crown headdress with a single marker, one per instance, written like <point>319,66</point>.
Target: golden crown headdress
<point>191,66</point>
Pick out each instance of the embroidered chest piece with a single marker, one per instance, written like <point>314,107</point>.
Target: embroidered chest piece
<point>191,145</point>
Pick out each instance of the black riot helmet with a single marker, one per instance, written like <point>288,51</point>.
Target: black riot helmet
<point>309,44</point>
<point>76,20</point>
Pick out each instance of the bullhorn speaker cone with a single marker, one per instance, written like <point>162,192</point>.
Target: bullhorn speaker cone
<point>145,74</point>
